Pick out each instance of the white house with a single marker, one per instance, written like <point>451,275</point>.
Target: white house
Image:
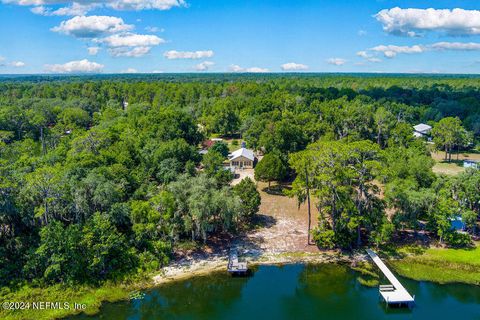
<point>242,158</point>
<point>421,130</point>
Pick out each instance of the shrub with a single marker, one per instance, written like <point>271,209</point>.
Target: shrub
<point>324,238</point>
<point>458,239</point>
<point>383,235</point>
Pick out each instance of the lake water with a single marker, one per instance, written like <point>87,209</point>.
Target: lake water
<point>326,291</point>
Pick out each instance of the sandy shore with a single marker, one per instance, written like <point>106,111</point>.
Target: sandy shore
<point>187,268</point>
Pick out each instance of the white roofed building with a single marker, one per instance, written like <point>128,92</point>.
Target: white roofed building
<point>421,130</point>
<point>242,158</point>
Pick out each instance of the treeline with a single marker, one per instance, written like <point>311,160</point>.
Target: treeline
<point>92,192</point>
<point>101,177</point>
<point>364,195</point>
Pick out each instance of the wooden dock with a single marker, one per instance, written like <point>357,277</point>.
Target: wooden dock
<point>234,266</point>
<point>395,293</point>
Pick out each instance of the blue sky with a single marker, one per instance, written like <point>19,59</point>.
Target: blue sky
<point>110,36</point>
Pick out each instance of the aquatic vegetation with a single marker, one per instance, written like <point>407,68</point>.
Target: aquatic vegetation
<point>369,276</point>
<point>136,295</point>
<point>368,282</point>
<point>441,265</point>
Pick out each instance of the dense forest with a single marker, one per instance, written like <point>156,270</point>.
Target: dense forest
<point>101,176</point>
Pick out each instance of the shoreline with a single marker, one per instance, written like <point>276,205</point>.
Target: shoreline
<point>185,269</point>
<point>182,269</point>
<point>179,270</point>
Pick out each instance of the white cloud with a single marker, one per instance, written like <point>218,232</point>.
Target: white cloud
<point>237,68</point>
<point>29,2</point>
<point>81,66</point>
<point>130,44</point>
<point>173,54</point>
<point>145,4</point>
<point>129,52</point>
<point>92,26</point>
<point>131,40</point>
<point>391,51</point>
<point>292,66</point>
<point>130,70</point>
<point>81,7</point>
<point>363,54</point>
<point>204,66</point>
<point>17,64</point>
<point>337,61</point>
<point>368,56</point>
<point>41,10</point>
<point>93,51</point>
<point>412,22</point>
<point>256,70</point>
<point>75,9</point>
<point>462,46</point>
<point>157,71</point>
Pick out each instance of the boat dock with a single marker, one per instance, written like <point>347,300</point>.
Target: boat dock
<point>394,293</point>
<point>234,266</point>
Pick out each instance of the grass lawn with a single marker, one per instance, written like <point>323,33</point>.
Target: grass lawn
<point>441,265</point>
<point>232,146</point>
<point>447,168</point>
<point>455,167</point>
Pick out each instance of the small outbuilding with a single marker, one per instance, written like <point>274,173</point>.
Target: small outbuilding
<point>242,158</point>
<point>421,130</point>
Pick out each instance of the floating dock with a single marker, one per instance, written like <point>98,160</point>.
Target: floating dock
<point>395,293</point>
<point>234,266</point>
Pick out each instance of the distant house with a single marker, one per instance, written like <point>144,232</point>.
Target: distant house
<point>471,164</point>
<point>421,130</point>
<point>242,158</point>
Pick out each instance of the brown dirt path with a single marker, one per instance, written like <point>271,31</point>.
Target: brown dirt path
<point>283,225</point>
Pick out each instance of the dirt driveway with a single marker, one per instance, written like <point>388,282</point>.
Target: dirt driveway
<point>283,225</point>
<point>241,174</point>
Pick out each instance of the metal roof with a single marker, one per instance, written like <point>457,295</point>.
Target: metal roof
<point>242,152</point>
<point>422,127</point>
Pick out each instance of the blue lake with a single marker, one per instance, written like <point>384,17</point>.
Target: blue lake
<point>325,291</point>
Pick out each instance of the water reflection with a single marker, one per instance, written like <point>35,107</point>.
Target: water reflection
<point>327,291</point>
